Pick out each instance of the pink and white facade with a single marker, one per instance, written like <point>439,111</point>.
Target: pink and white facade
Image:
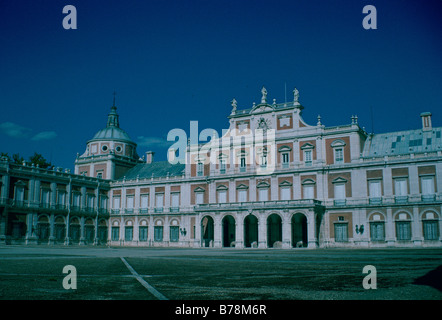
<point>271,181</point>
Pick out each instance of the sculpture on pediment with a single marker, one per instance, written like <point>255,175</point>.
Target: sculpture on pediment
<point>234,105</point>
<point>295,95</point>
<point>264,95</point>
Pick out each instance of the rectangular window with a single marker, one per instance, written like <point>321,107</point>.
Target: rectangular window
<point>341,232</point>
<point>175,200</point>
<point>285,193</point>
<point>144,203</point>
<point>374,188</point>
<point>222,166</point>
<point>427,184</point>
<point>45,197</point>
<point>403,230</point>
<point>76,200</point>
<point>431,228</point>
<point>19,193</point>
<point>222,196</point>
<point>339,155</point>
<point>116,205</point>
<point>143,233</point>
<point>339,191</point>
<point>309,192</point>
<point>377,231</point>
<point>200,169</point>
<point>285,160</point>
<point>90,202</point>
<point>61,201</point>
<point>103,202</point>
<point>242,195</point>
<point>263,194</point>
<point>159,202</point>
<point>115,233</point>
<point>263,160</point>
<point>129,204</point>
<point>199,197</point>
<point>158,233</point>
<point>242,167</point>
<point>128,233</point>
<point>174,233</point>
<point>308,157</point>
<point>400,187</point>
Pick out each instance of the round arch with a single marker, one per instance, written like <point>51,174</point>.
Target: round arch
<point>207,231</point>
<point>250,231</point>
<point>43,228</point>
<point>274,229</point>
<point>60,229</point>
<point>75,229</point>
<point>299,230</point>
<point>229,236</point>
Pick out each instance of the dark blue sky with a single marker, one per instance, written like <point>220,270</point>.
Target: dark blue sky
<point>172,62</point>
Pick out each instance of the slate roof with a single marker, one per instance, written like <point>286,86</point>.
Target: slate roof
<point>112,133</point>
<point>403,142</point>
<point>155,170</point>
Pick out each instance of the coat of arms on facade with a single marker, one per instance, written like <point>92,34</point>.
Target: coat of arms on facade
<point>263,124</point>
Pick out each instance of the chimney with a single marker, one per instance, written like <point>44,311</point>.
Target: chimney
<point>171,155</point>
<point>149,156</point>
<point>426,121</point>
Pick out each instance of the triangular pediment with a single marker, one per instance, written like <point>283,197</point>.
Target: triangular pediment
<point>262,107</point>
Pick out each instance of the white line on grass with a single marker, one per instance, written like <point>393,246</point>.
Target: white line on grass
<point>149,288</point>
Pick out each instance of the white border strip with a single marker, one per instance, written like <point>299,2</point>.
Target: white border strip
<point>149,288</point>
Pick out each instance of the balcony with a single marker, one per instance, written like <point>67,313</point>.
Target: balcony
<point>339,202</point>
<point>129,210</point>
<point>274,204</point>
<point>375,201</point>
<point>428,197</point>
<point>144,210</point>
<point>401,199</point>
<point>115,211</point>
<point>158,210</point>
<point>174,209</point>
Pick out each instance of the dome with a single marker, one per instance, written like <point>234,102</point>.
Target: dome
<point>112,133</point>
<point>112,130</point>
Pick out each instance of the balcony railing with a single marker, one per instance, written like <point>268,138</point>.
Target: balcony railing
<point>400,199</point>
<point>375,200</point>
<point>258,204</point>
<point>428,197</point>
<point>340,202</point>
<point>144,210</point>
<point>175,209</point>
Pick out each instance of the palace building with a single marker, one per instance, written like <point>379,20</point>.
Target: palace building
<point>270,181</point>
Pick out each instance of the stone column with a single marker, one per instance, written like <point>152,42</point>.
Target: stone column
<point>198,231</point>
<point>262,230</point>
<point>311,234</point>
<point>416,228</point>
<point>53,198</point>
<point>51,228</point>
<point>389,228</point>
<point>3,225</point>
<point>239,230</point>
<point>217,231</point>
<point>5,188</point>
<point>136,235</point>
<point>82,240</point>
<point>286,230</point>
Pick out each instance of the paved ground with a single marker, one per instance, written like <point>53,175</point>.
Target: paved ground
<point>216,274</point>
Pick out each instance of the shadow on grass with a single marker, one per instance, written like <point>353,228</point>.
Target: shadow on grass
<point>432,279</point>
